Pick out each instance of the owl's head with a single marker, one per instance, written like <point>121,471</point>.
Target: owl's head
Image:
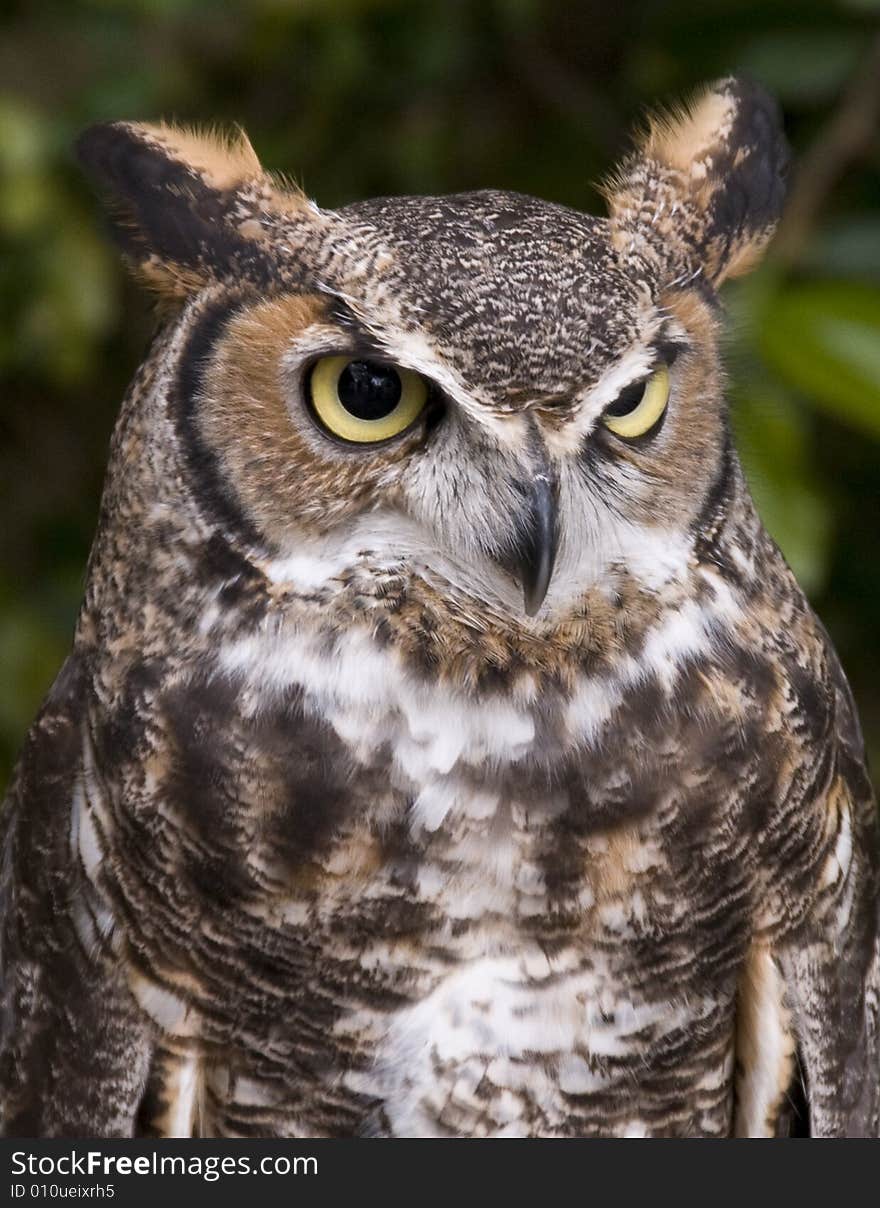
<point>510,400</point>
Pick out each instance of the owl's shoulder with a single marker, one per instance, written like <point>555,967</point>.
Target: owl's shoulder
<point>35,816</point>
<point>51,753</point>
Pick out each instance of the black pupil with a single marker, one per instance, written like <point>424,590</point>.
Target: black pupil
<point>627,400</point>
<point>368,390</point>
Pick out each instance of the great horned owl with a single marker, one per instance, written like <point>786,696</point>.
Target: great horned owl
<point>446,749</point>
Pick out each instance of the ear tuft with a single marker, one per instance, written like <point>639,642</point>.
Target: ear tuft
<point>224,160</point>
<point>178,197</point>
<point>705,189</point>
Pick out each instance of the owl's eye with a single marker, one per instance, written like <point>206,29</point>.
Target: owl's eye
<point>365,401</point>
<point>640,407</point>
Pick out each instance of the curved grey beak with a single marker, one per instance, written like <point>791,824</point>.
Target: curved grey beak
<point>532,555</point>
<point>535,551</point>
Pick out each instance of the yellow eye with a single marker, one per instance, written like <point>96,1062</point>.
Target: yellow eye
<point>639,407</point>
<point>365,401</point>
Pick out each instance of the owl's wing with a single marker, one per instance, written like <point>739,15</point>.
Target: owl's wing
<point>73,1050</point>
<point>814,982</point>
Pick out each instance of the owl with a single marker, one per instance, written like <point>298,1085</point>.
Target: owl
<point>445,750</point>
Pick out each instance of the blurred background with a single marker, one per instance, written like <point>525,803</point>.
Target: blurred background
<point>365,97</point>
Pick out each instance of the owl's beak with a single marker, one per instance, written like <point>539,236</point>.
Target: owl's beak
<point>533,555</point>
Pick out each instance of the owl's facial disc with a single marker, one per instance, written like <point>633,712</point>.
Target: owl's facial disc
<point>348,452</point>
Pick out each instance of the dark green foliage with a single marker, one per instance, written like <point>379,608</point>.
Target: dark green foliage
<point>367,97</point>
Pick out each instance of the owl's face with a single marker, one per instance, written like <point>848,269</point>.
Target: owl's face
<point>509,400</point>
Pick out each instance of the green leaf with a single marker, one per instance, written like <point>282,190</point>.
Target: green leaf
<point>773,438</point>
<point>824,339</point>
